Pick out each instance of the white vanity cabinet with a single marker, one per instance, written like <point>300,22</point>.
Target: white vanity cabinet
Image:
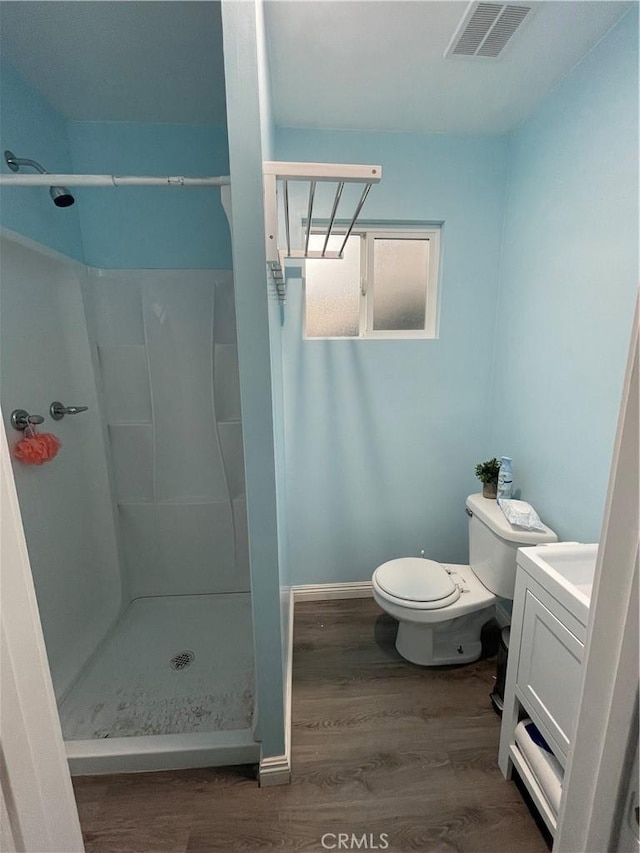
<point>544,670</point>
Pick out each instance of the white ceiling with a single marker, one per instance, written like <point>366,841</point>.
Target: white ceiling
<point>104,60</point>
<point>378,64</point>
<point>350,64</point>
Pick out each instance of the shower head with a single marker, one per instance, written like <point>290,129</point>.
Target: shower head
<point>60,195</point>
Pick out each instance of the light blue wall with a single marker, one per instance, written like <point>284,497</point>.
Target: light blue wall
<point>247,123</point>
<point>153,228</point>
<point>275,313</point>
<point>149,227</point>
<point>382,436</point>
<point>568,286</point>
<point>30,128</point>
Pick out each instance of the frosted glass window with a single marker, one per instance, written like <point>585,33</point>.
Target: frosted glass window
<point>400,271</point>
<point>386,285</point>
<point>333,290</point>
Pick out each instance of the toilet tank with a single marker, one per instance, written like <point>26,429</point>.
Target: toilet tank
<point>493,543</point>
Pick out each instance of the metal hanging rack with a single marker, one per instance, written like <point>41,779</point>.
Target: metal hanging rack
<point>277,176</point>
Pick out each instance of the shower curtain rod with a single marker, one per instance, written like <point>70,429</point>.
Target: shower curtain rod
<point>48,179</point>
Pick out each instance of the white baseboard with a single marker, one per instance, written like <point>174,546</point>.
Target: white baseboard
<point>274,770</point>
<point>288,684</point>
<point>330,591</point>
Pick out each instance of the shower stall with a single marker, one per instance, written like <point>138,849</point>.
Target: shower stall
<point>137,529</point>
<point>118,338</point>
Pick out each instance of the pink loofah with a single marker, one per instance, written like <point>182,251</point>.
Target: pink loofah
<point>37,448</point>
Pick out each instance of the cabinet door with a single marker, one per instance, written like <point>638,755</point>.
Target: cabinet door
<point>550,672</point>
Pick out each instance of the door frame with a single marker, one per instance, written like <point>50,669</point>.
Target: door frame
<point>38,804</point>
<point>597,770</point>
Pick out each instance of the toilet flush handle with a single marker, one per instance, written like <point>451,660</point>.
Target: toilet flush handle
<point>468,511</point>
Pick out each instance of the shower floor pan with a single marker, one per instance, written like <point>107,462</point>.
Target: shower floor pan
<point>171,687</point>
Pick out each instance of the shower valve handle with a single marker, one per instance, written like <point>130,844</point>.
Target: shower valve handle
<point>57,410</point>
<point>21,419</point>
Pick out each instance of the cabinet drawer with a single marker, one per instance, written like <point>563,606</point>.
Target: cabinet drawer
<point>550,671</point>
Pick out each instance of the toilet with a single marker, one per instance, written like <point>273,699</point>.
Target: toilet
<point>442,608</point>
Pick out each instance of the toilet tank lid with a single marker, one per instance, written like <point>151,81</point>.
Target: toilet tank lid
<point>488,511</point>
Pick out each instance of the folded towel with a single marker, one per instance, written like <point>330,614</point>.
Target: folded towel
<point>543,764</point>
<point>520,514</point>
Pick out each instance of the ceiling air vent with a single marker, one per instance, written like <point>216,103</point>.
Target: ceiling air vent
<point>486,29</point>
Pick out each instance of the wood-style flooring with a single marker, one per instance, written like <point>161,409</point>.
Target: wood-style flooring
<point>400,754</point>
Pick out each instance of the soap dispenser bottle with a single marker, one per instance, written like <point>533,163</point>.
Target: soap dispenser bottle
<point>505,478</point>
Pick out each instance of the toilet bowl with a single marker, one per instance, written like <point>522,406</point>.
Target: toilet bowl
<point>441,608</point>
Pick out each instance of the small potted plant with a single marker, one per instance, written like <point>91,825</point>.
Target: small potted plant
<point>487,473</point>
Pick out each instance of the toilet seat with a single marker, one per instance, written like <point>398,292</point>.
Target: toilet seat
<point>416,583</point>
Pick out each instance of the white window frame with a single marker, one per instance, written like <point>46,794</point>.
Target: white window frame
<point>367,237</point>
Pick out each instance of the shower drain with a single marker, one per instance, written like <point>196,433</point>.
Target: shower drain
<point>182,660</point>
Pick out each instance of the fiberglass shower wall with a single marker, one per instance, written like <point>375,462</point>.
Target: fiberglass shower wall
<point>161,310</point>
<point>65,504</point>
<point>169,374</point>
